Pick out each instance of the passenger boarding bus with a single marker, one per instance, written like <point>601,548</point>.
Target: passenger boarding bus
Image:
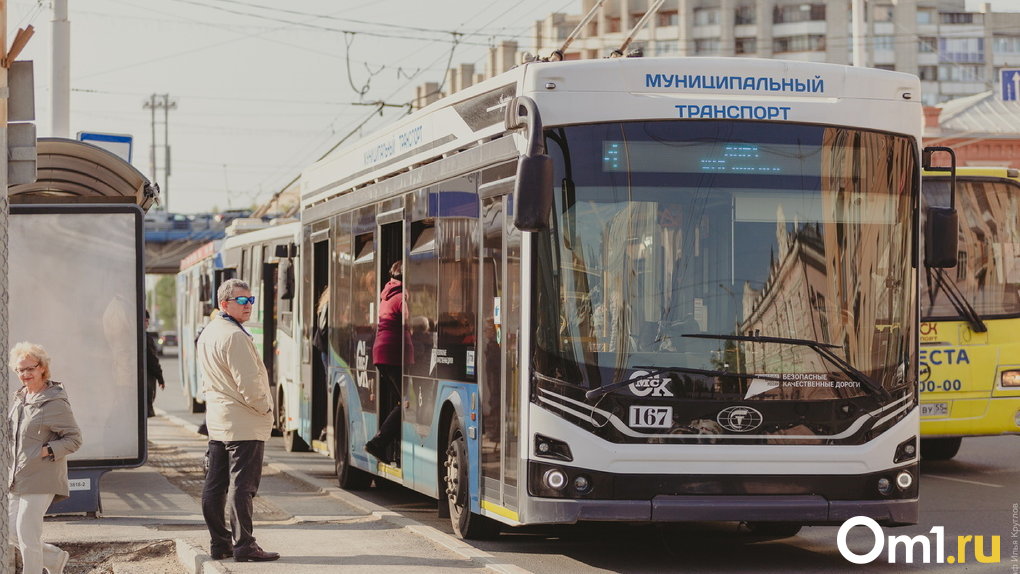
<point>635,290</point>
<point>970,316</point>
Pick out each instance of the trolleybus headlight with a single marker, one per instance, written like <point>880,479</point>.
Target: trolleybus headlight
<point>904,480</point>
<point>555,479</point>
<point>1010,378</point>
<point>582,484</point>
<point>884,486</point>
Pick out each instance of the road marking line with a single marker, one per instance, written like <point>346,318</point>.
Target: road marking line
<point>962,480</point>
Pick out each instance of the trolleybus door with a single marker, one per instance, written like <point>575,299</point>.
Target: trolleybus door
<point>499,414</point>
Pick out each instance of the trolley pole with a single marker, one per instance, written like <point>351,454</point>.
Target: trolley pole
<point>6,556</point>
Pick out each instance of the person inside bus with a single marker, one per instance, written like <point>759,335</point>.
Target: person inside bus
<point>153,371</point>
<point>392,345</point>
<point>320,333</point>
<point>44,433</point>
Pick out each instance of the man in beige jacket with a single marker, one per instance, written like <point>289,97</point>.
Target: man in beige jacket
<point>239,414</point>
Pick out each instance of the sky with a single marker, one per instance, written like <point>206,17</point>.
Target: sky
<point>262,88</point>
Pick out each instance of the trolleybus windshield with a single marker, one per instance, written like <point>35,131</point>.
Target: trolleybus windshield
<point>987,274</point>
<point>666,229</point>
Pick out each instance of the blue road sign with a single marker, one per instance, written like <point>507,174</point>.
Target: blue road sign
<point>1010,78</point>
<point>119,144</point>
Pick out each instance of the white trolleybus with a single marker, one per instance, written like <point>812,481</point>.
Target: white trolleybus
<point>634,290</point>
<point>249,252</point>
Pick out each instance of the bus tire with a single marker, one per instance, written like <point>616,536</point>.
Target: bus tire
<point>292,441</point>
<point>770,530</point>
<point>940,448</point>
<point>466,524</point>
<point>347,477</point>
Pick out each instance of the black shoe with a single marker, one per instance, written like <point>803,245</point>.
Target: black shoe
<point>376,449</point>
<point>221,554</point>
<point>255,554</point>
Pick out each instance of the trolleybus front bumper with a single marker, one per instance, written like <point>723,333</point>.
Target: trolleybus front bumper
<point>802,509</point>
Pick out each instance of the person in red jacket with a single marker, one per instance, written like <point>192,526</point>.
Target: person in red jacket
<point>392,344</point>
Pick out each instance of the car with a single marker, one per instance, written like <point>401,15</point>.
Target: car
<point>167,344</point>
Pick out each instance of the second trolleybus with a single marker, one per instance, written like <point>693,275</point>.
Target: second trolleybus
<point>634,290</point>
<point>970,315</point>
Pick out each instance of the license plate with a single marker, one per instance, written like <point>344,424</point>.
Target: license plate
<point>935,409</point>
<point>651,417</point>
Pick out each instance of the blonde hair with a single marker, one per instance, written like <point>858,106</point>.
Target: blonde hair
<point>35,351</point>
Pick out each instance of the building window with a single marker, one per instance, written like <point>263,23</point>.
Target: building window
<point>798,13</point>
<point>926,16</point>
<point>802,43</point>
<point>745,15</point>
<point>957,18</point>
<point>962,50</point>
<point>668,18</point>
<point>666,48</point>
<point>928,73</point>
<point>927,45</point>
<point>961,73</point>
<point>706,16</point>
<point>882,13</point>
<point>883,43</point>
<point>1006,44</point>
<point>746,46</point>
<point>706,46</point>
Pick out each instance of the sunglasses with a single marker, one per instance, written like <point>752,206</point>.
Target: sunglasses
<point>243,300</point>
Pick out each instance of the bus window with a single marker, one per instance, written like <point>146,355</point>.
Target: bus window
<point>421,283</point>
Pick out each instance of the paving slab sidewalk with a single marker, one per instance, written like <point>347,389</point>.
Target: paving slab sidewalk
<point>333,531</point>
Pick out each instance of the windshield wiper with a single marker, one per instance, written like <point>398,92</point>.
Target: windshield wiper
<point>956,298</point>
<point>599,391</point>
<point>816,346</point>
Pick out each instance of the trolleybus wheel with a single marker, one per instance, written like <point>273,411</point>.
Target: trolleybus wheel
<point>466,524</point>
<point>348,477</point>
<point>292,442</point>
<point>770,530</point>
<point>940,448</point>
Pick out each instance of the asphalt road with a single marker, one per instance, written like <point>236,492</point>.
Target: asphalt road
<point>971,495</point>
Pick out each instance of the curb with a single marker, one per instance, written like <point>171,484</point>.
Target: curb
<point>194,559</point>
<point>455,545</point>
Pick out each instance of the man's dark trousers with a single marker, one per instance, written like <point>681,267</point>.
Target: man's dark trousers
<point>235,470</point>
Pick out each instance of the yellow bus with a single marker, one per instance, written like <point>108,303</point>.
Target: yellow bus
<point>970,316</point>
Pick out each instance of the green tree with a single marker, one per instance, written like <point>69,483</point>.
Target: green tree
<point>166,301</point>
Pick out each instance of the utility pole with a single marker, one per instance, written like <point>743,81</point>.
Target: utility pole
<point>163,102</point>
<point>860,38</point>
<point>61,94</point>
<point>6,557</point>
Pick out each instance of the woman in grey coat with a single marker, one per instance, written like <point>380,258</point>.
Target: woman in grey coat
<point>43,433</point>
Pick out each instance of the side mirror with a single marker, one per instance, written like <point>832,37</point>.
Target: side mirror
<point>533,193</point>
<point>285,278</point>
<point>941,237</point>
<point>533,190</point>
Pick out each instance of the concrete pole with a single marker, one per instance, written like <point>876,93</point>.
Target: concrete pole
<point>61,93</point>
<point>860,38</point>
<point>6,556</point>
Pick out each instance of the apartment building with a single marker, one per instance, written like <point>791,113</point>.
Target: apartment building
<point>954,51</point>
